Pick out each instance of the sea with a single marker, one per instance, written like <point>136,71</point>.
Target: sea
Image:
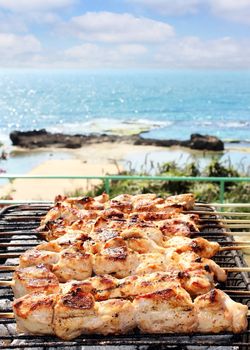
<point>158,103</point>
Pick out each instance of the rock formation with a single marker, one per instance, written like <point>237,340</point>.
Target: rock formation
<point>43,138</point>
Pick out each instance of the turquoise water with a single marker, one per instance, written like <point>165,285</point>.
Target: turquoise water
<point>168,104</point>
<point>24,162</point>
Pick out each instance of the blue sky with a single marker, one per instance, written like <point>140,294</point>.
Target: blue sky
<point>164,34</point>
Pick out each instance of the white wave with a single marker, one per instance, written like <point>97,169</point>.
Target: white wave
<point>234,124</point>
<point>223,124</point>
<point>109,126</point>
<point>4,138</point>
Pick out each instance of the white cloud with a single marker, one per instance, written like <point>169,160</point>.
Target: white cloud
<point>185,52</point>
<point>114,40</point>
<point>34,5</point>
<point>15,49</point>
<point>234,10</point>
<point>11,23</point>
<point>98,56</point>
<point>177,52</point>
<point>170,7</point>
<point>118,28</point>
<point>16,16</point>
<point>192,52</point>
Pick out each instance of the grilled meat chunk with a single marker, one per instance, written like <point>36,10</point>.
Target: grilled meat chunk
<point>34,313</point>
<point>34,279</point>
<point>76,312</point>
<point>70,263</point>
<point>199,245</point>
<point>166,311</point>
<point>217,312</point>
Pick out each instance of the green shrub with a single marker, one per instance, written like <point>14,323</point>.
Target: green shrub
<point>208,192</point>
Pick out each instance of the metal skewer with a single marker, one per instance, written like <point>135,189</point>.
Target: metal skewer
<point>222,249</point>
<point>229,221</point>
<point>237,269</point>
<point>7,283</point>
<point>7,315</point>
<point>11,315</point>
<point>8,268</point>
<point>214,213</point>
<point>224,205</point>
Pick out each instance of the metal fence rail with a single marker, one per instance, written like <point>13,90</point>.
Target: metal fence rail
<point>108,178</point>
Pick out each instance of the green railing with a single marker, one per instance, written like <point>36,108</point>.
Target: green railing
<point>108,178</point>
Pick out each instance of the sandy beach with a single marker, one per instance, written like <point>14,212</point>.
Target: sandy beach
<point>98,159</point>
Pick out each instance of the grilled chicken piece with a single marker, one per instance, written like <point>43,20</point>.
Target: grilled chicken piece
<point>70,263</point>
<point>202,272</point>
<point>33,257</point>
<point>39,279</point>
<point>181,225</point>
<point>156,262</point>
<point>196,277</point>
<point>54,230</point>
<point>68,210</point>
<point>140,236</point>
<point>127,203</point>
<point>101,287</point>
<point>85,202</point>
<point>171,228</point>
<point>88,203</point>
<point>149,202</point>
<point>217,312</point>
<point>104,229</point>
<point>115,258</point>
<point>117,316</point>
<point>73,264</point>
<point>72,314</point>
<point>64,215</point>
<point>76,312</point>
<point>143,229</point>
<point>199,245</point>
<point>192,262</point>
<point>133,286</point>
<point>166,311</point>
<point>34,313</point>
<point>167,213</point>
<point>34,279</point>
<point>186,200</point>
<point>106,286</point>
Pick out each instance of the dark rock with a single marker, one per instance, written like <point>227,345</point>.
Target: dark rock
<point>156,142</point>
<point>205,142</point>
<point>42,138</point>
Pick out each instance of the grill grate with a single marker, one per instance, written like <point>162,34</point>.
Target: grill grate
<point>17,226</point>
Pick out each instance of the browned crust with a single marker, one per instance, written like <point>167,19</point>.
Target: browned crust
<point>25,305</point>
<point>77,299</point>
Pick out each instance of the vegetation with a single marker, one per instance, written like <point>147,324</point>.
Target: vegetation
<point>205,191</point>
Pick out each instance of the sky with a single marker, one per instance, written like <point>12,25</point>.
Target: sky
<point>121,34</point>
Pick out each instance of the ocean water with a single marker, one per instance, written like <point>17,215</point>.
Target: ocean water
<point>162,104</point>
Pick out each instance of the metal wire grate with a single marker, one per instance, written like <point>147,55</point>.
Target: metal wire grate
<point>17,234</point>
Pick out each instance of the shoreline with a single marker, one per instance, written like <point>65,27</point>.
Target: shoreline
<point>95,159</point>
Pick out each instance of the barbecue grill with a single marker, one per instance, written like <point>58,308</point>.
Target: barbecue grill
<point>17,233</point>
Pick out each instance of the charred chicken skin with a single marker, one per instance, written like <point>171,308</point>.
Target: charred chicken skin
<point>169,310</point>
